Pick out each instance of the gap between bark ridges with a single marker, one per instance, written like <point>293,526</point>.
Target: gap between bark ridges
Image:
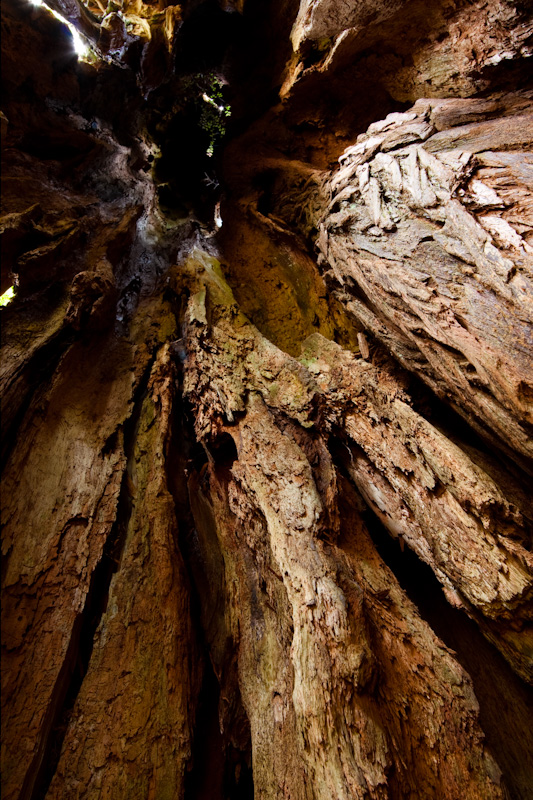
<point>76,662</point>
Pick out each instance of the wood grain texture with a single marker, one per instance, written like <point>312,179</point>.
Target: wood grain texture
<point>283,534</point>
<point>442,262</point>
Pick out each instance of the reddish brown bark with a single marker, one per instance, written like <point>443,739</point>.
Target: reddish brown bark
<point>238,465</point>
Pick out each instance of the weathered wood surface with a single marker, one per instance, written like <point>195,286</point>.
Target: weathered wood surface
<point>433,225</point>
<point>305,583</point>
<point>136,553</point>
<point>448,50</point>
<point>324,19</point>
<point>61,488</point>
<point>130,731</point>
<point>433,495</point>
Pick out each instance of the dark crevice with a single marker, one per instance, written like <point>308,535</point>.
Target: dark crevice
<point>205,37</point>
<point>219,771</point>
<point>35,376</point>
<point>505,701</point>
<point>482,450</point>
<point>78,656</point>
<point>264,183</point>
<point>204,781</point>
<point>221,766</point>
<point>223,452</point>
<point>506,75</point>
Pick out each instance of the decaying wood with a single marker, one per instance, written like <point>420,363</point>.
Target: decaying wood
<point>211,439</point>
<point>423,220</point>
<point>283,493</point>
<point>66,503</point>
<point>135,707</point>
<point>429,492</point>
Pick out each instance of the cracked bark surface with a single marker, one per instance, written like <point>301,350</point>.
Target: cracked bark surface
<point>283,498</point>
<point>49,573</point>
<point>137,689</point>
<point>209,435</point>
<point>422,219</point>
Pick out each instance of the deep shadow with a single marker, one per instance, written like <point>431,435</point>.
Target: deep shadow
<point>205,37</point>
<point>219,772</point>
<point>483,450</point>
<point>221,763</point>
<point>204,781</point>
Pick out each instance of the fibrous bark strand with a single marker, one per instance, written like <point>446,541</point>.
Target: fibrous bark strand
<point>210,433</point>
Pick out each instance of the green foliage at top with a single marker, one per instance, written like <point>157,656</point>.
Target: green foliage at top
<point>7,297</point>
<point>207,92</point>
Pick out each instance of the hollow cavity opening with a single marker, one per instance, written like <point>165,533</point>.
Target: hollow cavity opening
<point>7,297</point>
<point>81,46</point>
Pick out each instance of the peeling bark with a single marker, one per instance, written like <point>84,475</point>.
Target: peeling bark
<point>49,573</point>
<point>239,463</point>
<point>286,513</point>
<point>134,709</point>
<point>442,260</point>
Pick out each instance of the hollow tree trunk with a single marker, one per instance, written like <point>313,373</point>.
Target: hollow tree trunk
<point>267,523</point>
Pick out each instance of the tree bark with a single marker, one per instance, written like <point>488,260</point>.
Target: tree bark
<point>267,526</point>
